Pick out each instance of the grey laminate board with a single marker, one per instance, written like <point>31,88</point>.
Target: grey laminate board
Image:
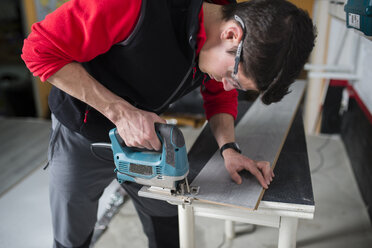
<point>261,134</point>
<point>23,147</point>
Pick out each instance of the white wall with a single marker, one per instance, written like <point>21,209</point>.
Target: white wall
<point>356,53</point>
<point>364,86</point>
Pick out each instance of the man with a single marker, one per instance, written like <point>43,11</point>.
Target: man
<point>121,63</point>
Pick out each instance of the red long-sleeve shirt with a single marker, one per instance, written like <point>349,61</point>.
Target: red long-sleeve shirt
<point>80,30</point>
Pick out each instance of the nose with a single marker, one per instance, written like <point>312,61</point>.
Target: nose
<point>226,85</point>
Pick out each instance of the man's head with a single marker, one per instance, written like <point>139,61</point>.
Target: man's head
<point>277,40</point>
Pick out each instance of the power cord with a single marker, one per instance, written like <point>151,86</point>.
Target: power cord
<point>321,157</point>
<point>101,146</point>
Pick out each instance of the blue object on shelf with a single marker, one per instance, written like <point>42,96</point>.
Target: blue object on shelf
<point>359,15</point>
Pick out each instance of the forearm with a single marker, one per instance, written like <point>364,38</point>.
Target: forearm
<point>222,126</point>
<point>77,82</point>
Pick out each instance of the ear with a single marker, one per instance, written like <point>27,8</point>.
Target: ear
<point>232,32</point>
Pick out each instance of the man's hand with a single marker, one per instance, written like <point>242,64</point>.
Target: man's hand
<point>137,129</point>
<point>236,162</point>
<point>135,126</point>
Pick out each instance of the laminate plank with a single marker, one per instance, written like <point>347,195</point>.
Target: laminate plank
<point>205,145</point>
<point>261,134</point>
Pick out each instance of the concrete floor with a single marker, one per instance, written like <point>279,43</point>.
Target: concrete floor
<point>340,220</point>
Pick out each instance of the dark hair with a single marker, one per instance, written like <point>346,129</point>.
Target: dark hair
<point>278,40</point>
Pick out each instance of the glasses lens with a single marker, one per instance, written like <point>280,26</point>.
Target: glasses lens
<point>233,80</point>
<point>234,83</point>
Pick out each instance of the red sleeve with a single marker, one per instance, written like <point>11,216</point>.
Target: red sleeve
<point>217,100</point>
<point>79,30</point>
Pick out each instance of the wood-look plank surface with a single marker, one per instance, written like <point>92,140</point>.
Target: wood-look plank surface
<point>23,147</point>
<point>261,134</point>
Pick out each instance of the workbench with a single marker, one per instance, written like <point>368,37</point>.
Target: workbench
<point>289,197</point>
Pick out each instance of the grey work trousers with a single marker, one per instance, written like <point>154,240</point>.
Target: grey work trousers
<point>78,179</point>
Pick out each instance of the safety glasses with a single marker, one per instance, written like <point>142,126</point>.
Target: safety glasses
<point>232,77</point>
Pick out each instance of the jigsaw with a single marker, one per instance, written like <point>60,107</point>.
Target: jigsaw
<point>165,170</point>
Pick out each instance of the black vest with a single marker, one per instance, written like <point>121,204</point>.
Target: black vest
<point>151,69</point>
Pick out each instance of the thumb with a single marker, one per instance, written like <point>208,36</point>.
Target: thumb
<point>160,120</point>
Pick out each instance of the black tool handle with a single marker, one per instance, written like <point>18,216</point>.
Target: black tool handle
<point>170,133</point>
<point>173,140</point>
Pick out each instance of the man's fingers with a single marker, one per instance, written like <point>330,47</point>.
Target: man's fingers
<point>138,130</point>
<point>257,173</point>
<point>264,166</point>
<point>155,144</point>
<point>141,145</point>
<point>236,177</point>
<point>161,120</point>
<point>149,142</point>
<point>260,169</point>
<point>148,145</point>
<point>158,119</point>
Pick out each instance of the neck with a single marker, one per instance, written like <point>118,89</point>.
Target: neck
<point>212,18</point>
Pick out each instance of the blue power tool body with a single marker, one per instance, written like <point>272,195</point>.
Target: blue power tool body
<point>165,168</point>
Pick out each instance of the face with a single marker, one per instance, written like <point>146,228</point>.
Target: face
<point>219,65</point>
